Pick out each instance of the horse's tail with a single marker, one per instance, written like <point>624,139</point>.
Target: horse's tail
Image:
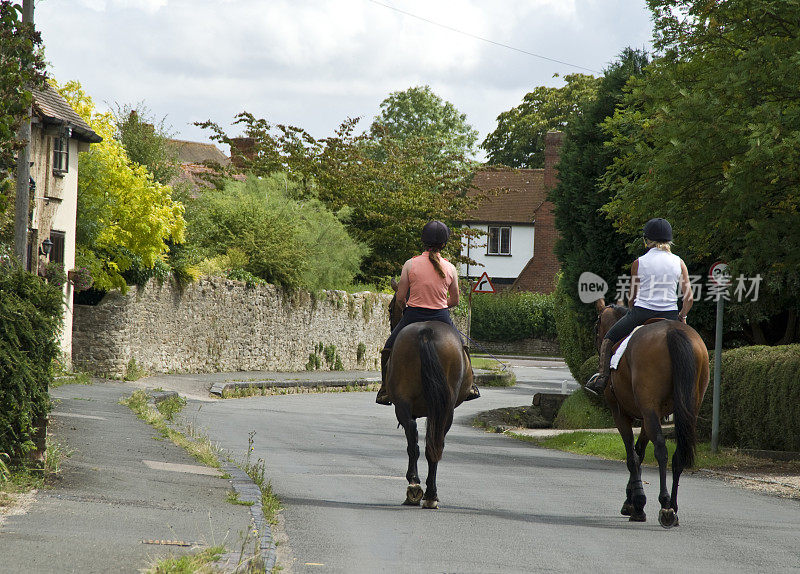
<point>436,393</point>
<point>684,390</point>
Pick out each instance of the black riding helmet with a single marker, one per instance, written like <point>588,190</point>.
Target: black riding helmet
<point>435,233</point>
<point>658,229</point>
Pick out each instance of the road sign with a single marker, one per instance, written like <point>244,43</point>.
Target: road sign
<point>720,274</point>
<point>483,285</point>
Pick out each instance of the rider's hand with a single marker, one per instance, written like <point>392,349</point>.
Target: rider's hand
<point>682,318</point>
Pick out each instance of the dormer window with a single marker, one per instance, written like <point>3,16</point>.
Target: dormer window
<point>61,152</point>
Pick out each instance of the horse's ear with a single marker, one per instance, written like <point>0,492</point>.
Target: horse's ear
<point>394,284</point>
<point>600,304</point>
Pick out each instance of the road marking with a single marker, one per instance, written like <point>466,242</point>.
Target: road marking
<point>345,475</point>
<point>77,416</point>
<point>313,564</point>
<point>189,468</point>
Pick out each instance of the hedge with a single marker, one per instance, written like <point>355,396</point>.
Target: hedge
<point>759,398</point>
<point>30,316</point>
<point>512,316</point>
<point>575,332</point>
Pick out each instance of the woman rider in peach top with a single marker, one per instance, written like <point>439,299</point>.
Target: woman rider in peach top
<point>430,283</point>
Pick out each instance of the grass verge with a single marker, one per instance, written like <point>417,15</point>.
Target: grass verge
<point>195,444</point>
<point>270,505</point>
<point>201,563</point>
<point>256,390</point>
<point>609,446</point>
<point>17,480</point>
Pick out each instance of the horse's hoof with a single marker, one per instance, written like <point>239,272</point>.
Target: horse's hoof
<point>413,495</point>
<point>667,518</point>
<point>638,517</point>
<point>627,509</point>
<point>430,504</point>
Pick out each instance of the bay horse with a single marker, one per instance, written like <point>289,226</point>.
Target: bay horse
<point>428,375</point>
<point>664,370</point>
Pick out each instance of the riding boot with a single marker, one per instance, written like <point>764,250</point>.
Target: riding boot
<point>474,393</point>
<point>383,397</point>
<point>597,384</point>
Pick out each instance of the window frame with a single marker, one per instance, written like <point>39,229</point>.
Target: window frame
<point>499,252</point>
<point>61,151</point>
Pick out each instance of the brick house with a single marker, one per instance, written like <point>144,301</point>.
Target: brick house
<point>195,161</point>
<point>58,134</point>
<point>518,249</point>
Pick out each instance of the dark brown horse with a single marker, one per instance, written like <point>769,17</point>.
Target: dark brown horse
<point>663,371</point>
<point>428,375</point>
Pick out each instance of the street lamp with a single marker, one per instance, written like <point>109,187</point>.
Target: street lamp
<point>47,245</point>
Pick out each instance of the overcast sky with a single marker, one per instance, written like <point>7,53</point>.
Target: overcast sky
<point>313,63</point>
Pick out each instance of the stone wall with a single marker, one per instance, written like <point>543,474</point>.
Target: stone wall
<point>222,325</point>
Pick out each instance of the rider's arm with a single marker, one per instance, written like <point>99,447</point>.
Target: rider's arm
<point>634,283</point>
<point>688,295</point>
<point>403,285</point>
<point>453,291</point>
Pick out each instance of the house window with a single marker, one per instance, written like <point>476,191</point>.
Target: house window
<point>61,152</point>
<point>57,251</point>
<point>499,241</point>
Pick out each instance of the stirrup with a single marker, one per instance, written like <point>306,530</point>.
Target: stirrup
<point>594,387</point>
<point>474,393</point>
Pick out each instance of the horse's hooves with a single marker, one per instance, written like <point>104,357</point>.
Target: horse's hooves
<point>627,509</point>
<point>413,495</point>
<point>667,518</point>
<point>640,517</point>
<point>430,504</point>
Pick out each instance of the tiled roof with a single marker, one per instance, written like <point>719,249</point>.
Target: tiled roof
<point>51,107</point>
<point>198,152</point>
<point>512,195</point>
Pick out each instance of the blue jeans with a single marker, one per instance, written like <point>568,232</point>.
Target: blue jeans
<point>417,315</point>
<point>633,318</point>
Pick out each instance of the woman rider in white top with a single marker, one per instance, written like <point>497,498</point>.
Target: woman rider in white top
<point>655,277</point>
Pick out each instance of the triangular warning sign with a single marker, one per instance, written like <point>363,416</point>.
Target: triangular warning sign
<point>483,285</point>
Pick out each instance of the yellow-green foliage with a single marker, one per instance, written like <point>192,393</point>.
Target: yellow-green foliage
<point>124,216</point>
<point>759,398</point>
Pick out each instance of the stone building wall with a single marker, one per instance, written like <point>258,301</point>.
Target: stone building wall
<point>222,325</point>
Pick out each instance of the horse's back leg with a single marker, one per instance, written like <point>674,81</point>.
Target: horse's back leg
<point>652,425</point>
<point>431,498</point>
<point>635,498</point>
<point>409,424</point>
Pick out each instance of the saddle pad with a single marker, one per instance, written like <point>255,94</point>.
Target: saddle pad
<point>621,349</point>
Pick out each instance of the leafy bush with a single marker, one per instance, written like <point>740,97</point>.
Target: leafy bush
<point>579,411</point>
<point>260,229</point>
<point>512,316</point>
<point>587,369</point>
<point>759,398</point>
<point>31,315</point>
<point>575,337</point>
<point>53,272</point>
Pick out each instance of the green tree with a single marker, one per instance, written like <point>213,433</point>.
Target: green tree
<point>255,226</point>
<point>390,197</point>
<point>518,140</point>
<point>418,113</point>
<point>587,239</point>
<point>710,139</point>
<point>124,216</point>
<point>21,68</point>
<point>145,141</point>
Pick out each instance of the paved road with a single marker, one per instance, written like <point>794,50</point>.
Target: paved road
<point>337,462</point>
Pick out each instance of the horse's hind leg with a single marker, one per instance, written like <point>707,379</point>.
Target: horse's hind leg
<point>431,498</point>
<point>635,498</point>
<point>652,423</point>
<point>414,490</point>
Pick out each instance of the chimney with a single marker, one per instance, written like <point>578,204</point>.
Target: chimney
<point>243,149</point>
<point>552,153</point>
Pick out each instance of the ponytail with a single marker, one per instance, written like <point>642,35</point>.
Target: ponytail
<point>432,257</point>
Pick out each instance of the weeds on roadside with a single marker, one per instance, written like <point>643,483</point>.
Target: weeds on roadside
<point>270,505</point>
<point>256,390</point>
<point>200,563</point>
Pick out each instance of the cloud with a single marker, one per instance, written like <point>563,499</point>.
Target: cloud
<point>314,63</point>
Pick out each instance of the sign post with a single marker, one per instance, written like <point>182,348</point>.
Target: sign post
<point>720,276</point>
<point>482,285</point>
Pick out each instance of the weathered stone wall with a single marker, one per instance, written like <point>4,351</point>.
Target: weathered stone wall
<point>222,325</point>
